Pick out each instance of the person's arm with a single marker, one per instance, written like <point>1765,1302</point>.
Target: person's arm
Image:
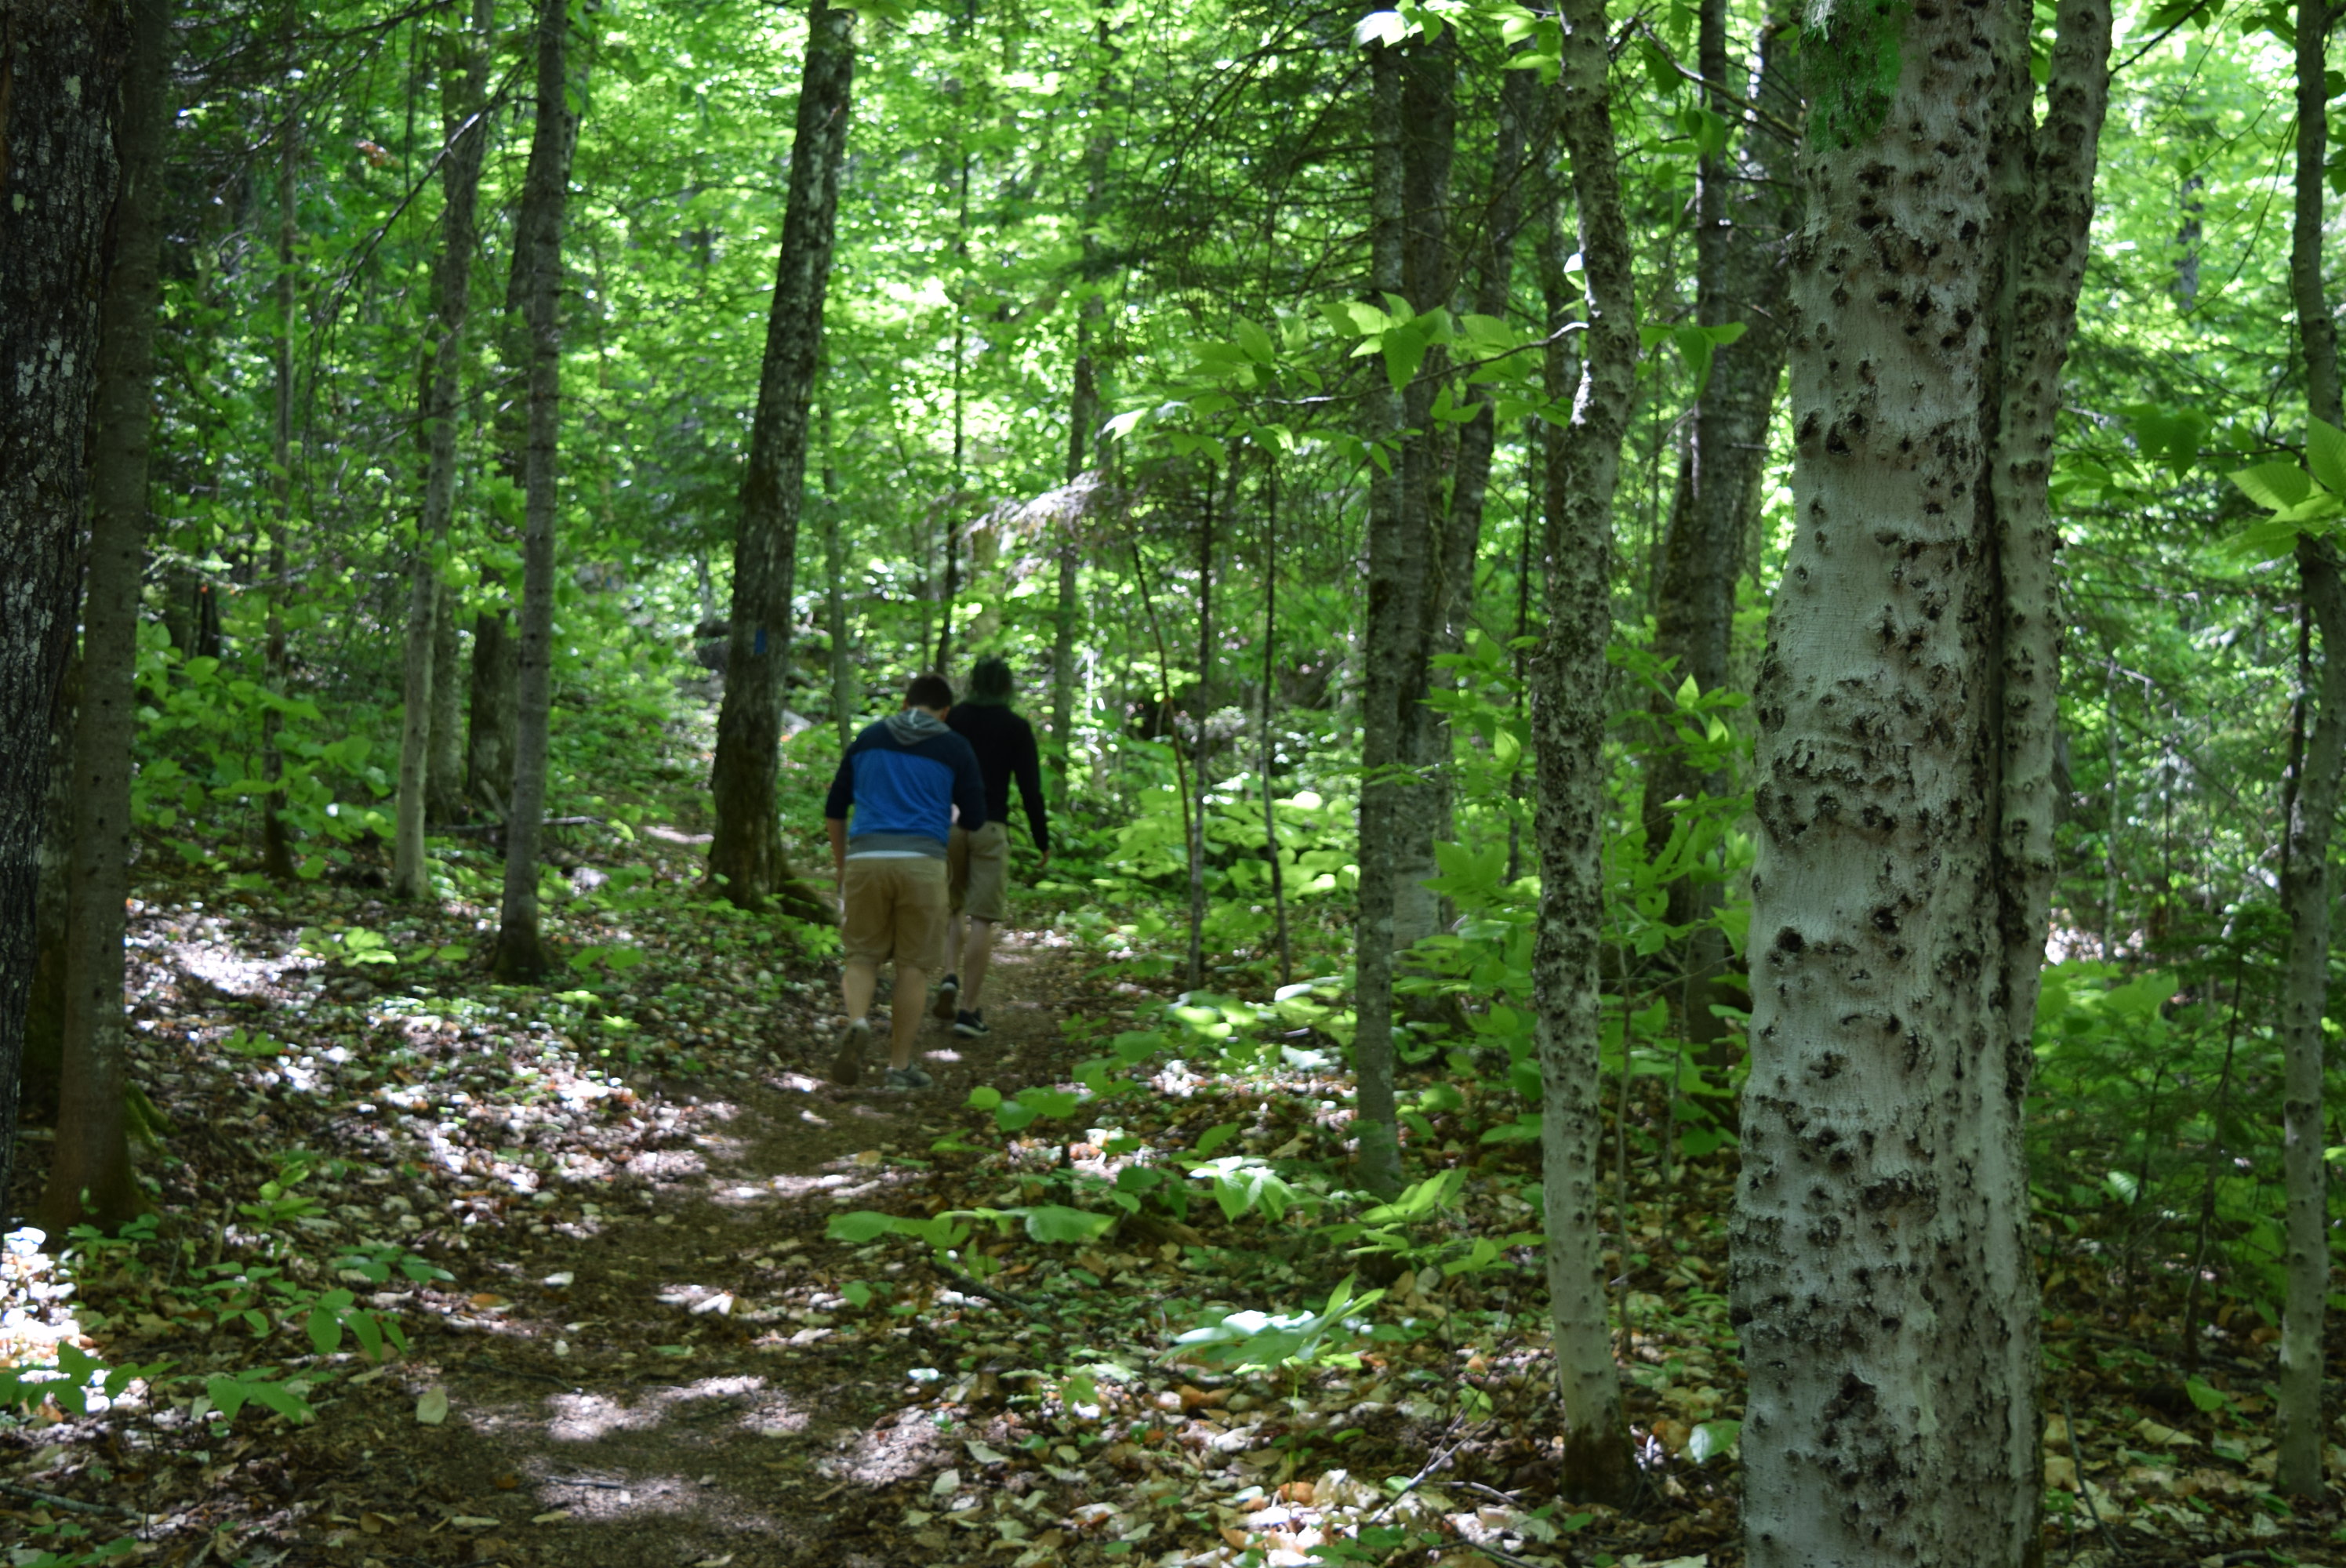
<point>836,808</point>
<point>1027,767</point>
<point>968,787</point>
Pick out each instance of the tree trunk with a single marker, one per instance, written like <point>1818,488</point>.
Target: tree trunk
<point>1907,711</point>
<point>1429,126</point>
<point>1568,678</point>
<point>844,700</point>
<point>745,857</point>
<point>2305,887</point>
<point>444,786</point>
<point>491,725</point>
<point>276,849</point>
<point>1395,584</point>
<point>90,1181</point>
<point>1202,712</point>
<point>1269,689</point>
<point>1083,419</point>
<point>537,267</point>
<point>463,71</point>
<point>45,1015</point>
<point>1744,211</point>
<point>58,66</point>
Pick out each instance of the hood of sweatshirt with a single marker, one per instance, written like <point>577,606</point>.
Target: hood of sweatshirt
<point>911,726</point>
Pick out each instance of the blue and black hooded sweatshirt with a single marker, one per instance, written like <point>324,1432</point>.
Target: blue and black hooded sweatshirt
<point>904,775</point>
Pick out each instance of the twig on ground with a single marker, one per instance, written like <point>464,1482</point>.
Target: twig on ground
<point>2085,1488</point>
<point>587,1481</point>
<point>567,1385</point>
<point>72,1505</point>
<point>968,1286</point>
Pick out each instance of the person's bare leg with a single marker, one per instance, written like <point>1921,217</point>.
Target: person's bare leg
<point>975,954</point>
<point>858,979</point>
<point>905,1013</point>
<point>947,1000</point>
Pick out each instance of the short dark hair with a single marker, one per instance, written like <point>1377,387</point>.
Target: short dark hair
<point>929,691</point>
<point>989,680</point>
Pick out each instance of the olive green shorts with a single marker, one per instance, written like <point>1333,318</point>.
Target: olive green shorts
<point>979,866</point>
<point>895,910</point>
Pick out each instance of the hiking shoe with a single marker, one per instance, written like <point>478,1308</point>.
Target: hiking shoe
<point>970,1023</point>
<point>948,995</point>
<point>849,1067</point>
<point>910,1078</point>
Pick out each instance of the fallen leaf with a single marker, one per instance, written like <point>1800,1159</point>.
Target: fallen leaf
<point>472,1522</point>
<point>557,1281</point>
<point>551,1516</point>
<point>484,1302</point>
<point>505,1483</point>
<point>432,1408</point>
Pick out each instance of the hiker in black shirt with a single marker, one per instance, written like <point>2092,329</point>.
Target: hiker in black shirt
<point>978,863</point>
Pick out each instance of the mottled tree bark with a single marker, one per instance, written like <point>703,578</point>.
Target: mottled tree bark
<point>745,857</point>
<point>90,1181</point>
<point>1393,620</point>
<point>2313,801</point>
<point>59,64</point>
<point>1907,712</point>
<point>537,265</point>
<point>463,71</point>
<point>1568,681</point>
<point>1745,207</point>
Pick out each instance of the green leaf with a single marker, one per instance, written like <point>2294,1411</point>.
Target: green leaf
<point>2205,1395</point>
<point>2277,486</point>
<point>1058,1223</point>
<point>1215,1137</point>
<point>1712,1438</point>
<point>862,1226</point>
<point>1255,341</point>
<point>983,1098</point>
<point>2325,454</point>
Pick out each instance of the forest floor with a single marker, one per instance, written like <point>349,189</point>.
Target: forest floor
<point>647,1341</point>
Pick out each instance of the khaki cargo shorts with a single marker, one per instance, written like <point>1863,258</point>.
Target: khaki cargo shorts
<point>896,909</point>
<point>979,867</point>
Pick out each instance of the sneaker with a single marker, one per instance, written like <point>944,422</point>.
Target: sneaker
<point>970,1023</point>
<point>849,1067</point>
<point>910,1078</point>
<point>948,995</point>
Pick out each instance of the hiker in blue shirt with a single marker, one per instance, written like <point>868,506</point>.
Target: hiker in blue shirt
<point>906,779</point>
